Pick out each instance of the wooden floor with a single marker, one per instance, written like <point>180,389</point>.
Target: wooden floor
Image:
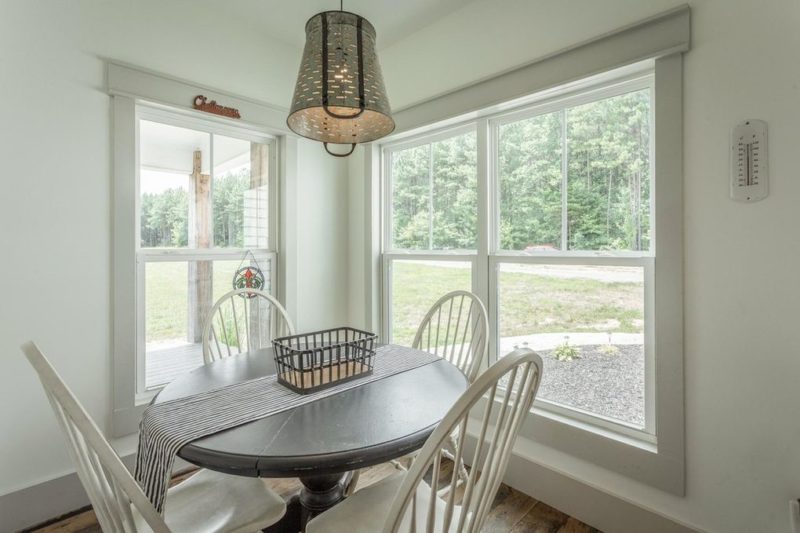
<point>512,511</point>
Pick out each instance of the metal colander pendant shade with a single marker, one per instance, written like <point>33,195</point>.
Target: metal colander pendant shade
<point>340,97</point>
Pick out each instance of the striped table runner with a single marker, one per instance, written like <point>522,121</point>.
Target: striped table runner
<point>168,426</point>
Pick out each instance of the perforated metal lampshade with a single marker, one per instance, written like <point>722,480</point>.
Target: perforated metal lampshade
<point>340,97</point>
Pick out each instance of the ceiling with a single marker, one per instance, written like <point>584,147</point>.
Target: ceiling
<point>285,20</point>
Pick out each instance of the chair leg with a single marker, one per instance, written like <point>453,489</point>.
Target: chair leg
<point>351,486</point>
<point>398,465</point>
<point>449,452</point>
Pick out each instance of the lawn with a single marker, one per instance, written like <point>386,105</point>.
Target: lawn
<point>166,297</point>
<point>531,301</point>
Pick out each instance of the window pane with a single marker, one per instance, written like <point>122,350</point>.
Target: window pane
<point>178,296</point>
<point>529,167</point>
<point>455,193</point>
<point>416,285</point>
<point>608,198</point>
<point>166,162</point>
<point>411,198</point>
<point>240,194</point>
<point>587,323</point>
<point>434,195</point>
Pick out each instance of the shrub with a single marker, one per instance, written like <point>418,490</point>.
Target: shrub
<point>566,351</point>
<point>609,349</point>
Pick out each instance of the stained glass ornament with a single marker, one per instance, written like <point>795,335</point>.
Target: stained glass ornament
<point>249,276</point>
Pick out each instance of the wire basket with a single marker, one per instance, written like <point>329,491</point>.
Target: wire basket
<point>309,362</point>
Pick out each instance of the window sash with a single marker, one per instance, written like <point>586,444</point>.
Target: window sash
<point>388,183</point>
<point>143,394</point>
<point>559,104</point>
<point>212,128</point>
<point>648,266</point>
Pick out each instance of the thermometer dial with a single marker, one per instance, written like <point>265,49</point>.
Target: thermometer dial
<point>749,169</point>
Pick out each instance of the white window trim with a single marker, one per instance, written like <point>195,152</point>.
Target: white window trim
<point>143,395</point>
<point>485,265</point>
<point>662,38</point>
<point>644,259</point>
<point>139,92</point>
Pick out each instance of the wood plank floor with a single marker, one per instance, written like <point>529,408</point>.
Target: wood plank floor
<point>512,511</point>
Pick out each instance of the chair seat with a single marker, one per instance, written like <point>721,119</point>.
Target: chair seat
<point>366,510</point>
<point>210,501</point>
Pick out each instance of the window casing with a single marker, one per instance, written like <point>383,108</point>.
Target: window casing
<point>227,219</point>
<point>623,259</point>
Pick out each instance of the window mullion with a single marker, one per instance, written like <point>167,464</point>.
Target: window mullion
<point>564,174</point>
<point>430,196</point>
<point>486,224</point>
<point>211,189</point>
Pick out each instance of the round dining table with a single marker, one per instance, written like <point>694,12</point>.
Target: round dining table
<point>323,442</point>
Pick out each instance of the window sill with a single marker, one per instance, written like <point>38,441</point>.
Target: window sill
<point>629,436</point>
<point>631,453</point>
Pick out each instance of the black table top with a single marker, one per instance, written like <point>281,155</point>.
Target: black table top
<point>360,427</point>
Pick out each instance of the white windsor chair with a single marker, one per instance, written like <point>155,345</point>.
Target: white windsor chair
<point>243,320</point>
<point>207,501</point>
<point>405,502</point>
<point>456,328</point>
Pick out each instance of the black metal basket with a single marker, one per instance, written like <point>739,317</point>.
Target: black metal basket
<point>309,362</point>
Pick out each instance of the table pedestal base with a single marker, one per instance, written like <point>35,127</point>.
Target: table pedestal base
<point>319,493</point>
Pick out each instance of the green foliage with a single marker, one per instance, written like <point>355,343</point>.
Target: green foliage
<point>165,215</point>
<point>228,210</point>
<point>608,174</point>
<point>529,166</point>
<point>528,303</point>
<point>566,351</point>
<point>434,190</point>
<point>434,195</point>
<point>609,349</point>
<point>164,218</point>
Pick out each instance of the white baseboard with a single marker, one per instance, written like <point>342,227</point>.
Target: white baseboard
<point>39,503</point>
<point>590,505</point>
<point>42,502</point>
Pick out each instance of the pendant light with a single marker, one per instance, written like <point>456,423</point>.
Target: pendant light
<point>340,96</point>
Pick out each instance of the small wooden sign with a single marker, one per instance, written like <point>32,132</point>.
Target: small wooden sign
<point>201,103</point>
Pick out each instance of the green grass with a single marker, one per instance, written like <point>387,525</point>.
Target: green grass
<point>529,303</point>
<point>166,296</point>
<point>415,288</point>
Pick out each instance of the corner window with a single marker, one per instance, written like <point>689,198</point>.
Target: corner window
<point>567,264</point>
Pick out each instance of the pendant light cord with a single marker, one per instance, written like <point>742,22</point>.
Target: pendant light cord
<point>341,5</point>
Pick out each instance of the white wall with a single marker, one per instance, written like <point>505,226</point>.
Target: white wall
<point>742,350</point>
<point>55,190</point>
<point>322,232</point>
<point>356,246</point>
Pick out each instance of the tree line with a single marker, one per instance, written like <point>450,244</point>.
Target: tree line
<point>604,148</point>
<point>165,215</point>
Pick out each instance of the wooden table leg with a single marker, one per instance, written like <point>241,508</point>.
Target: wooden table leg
<point>319,493</point>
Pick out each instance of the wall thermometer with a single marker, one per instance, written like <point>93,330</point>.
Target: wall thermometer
<point>749,166</point>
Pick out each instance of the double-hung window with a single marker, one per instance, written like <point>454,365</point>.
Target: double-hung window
<point>205,202</point>
<point>432,234</point>
<point>562,252</point>
<point>571,269</point>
